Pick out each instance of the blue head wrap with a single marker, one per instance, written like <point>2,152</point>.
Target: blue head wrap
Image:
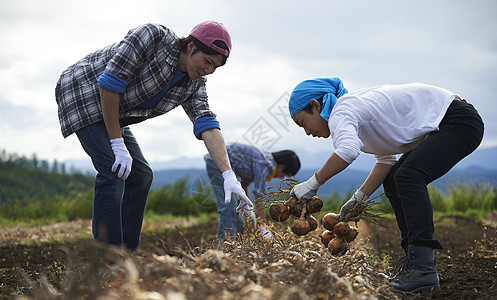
<point>328,88</point>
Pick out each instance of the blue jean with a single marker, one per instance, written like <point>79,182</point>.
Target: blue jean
<point>230,223</point>
<point>460,132</point>
<point>118,205</point>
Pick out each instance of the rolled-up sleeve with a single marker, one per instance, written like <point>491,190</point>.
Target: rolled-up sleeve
<point>204,123</point>
<point>135,50</point>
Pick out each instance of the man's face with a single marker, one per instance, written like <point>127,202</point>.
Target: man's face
<point>313,124</point>
<point>200,64</point>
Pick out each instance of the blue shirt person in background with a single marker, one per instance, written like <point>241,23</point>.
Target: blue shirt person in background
<point>251,165</point>
<point>146,74</point>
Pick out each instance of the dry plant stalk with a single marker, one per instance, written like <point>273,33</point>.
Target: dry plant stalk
<point>362,211</point>
<point>487,247</point>
<point>273,193</point>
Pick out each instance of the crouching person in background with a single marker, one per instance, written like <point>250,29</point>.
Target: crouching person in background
<point>251,165</point>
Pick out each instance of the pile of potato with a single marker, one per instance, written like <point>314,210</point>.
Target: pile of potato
<point>337,235</point>
<point>304,222</point>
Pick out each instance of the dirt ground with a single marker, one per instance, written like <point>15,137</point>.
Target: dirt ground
<point>465,271</point>
<point>184,263</point>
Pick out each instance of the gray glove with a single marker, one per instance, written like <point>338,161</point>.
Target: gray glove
<point>358,197</point>
<point>306,190</point>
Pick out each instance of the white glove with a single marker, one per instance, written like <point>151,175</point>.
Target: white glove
<point>266,233</point>
<point>306,190</point>
<point>243,209</point>
<point>123,158</point>
<point>358,197</point>
<point>232,185</point>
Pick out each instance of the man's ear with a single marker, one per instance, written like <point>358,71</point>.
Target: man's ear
<point>315,104</point>
<point>190,47</point>
<point>280,169</point>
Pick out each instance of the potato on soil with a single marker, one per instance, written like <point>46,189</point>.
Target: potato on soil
<point>300,227</point>
<point>314,205</point>
<point>326,236</point>
<point>329,220</point>
<point>341,229</point>
<point>313,223</point>
<point>295,206</point>
<point>349,237</point>
<point>338,246</point>
<point>279,211</point>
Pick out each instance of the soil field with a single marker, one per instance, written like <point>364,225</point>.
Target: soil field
<point>179,259</point>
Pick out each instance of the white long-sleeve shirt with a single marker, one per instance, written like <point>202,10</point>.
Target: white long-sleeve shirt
<point>386,120</point>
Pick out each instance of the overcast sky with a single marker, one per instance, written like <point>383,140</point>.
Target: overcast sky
<point>276,44</point>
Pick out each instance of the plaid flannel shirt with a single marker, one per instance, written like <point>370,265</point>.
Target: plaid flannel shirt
<point>147,59</point>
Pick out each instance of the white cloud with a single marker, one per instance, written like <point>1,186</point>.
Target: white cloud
<point>276,44</point>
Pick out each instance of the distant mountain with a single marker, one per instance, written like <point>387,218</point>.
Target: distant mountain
<point>479,167</point>
<point>484,158</point>
<point>347,181</point>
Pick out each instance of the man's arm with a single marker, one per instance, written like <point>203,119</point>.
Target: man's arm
<point>214,142</point>
<point>332,167</point>
<point>110,110</point>
<point>375,178</point>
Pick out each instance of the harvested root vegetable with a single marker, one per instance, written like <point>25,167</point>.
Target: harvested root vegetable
<point>326,237</point>
<point>295,206</point>
<point>338,246</point>
<point>349,237</point>
<point>314,205</point>
<point>279,211</point>
<point>329,220</point>
<point>313,223</point>
<point>300,227</point>
<point>341,229</point>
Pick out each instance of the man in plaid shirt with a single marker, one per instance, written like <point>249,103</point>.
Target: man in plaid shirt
<point>148,73</point>
<point>251,165</point>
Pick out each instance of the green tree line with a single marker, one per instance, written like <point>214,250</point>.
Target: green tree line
<point>32,189</point>
<point>27,180</point>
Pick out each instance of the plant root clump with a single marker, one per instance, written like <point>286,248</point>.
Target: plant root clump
<point>279,211</point>
<point>300,227</point>
<point>338,246</point>
<point>326,236</point>
<point>314,205</point>
<point>295,206</point>
<point>341,229</point>
<point>351,235</point>
<point>329,221</point>
<point>313,223</point>
<point>282,205</point>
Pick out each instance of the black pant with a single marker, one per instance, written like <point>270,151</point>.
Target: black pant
<point>460,133</point>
